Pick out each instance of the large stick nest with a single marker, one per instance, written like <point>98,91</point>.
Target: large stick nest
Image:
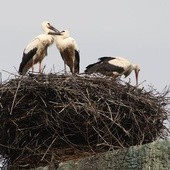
<point>61,117</point>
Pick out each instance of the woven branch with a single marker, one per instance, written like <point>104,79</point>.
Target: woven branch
<point>66,117</point>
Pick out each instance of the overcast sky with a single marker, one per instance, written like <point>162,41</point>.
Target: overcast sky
<point>138,30</point>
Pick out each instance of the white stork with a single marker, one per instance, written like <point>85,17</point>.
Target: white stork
<point>37,49</point>
<point>69,51</point>
<point>113,66</point>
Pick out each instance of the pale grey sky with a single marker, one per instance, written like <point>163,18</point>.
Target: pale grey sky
<point>138,30</point>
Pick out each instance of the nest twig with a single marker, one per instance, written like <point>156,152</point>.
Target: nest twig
<point>68,116</point>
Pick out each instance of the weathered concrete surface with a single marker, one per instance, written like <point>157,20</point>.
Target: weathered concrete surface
<point>153,156</point>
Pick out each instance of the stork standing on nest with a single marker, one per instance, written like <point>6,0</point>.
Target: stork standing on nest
<point>113,66</point>
<point>37,49</point>
<point>68,49</point>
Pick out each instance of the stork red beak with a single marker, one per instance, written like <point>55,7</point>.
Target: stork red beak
<point>55,31</point>
<point>136,74</point>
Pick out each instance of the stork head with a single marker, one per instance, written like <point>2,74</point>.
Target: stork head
<point>136,69</point>
<point>65,34</point>
<point>49,29</point>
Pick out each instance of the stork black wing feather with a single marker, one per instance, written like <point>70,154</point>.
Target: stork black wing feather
<point>91,66</point>
<point>102,59</point>
<point>77,62</point>
<point>26,57</point>
<point>103,67</point>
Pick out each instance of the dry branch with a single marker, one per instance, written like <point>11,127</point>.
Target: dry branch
<point>70,116</point>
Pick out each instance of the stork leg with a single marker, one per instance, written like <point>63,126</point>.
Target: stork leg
<point>73,69</point>
<point>65,68</point>
<point>40,67</point>
<point>114,77</point>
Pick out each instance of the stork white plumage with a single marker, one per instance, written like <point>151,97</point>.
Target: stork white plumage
<point>68,49</point>
<point>113,66</point>
<point>37,49</point>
